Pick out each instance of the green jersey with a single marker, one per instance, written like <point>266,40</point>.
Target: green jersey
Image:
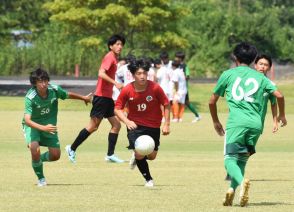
<point>244,88</point>
<point>273,100</point>
<point>44,111</point>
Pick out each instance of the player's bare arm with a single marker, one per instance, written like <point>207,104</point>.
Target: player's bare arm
<point>130,124</point>
<point>102,74</point>
<point>87,99</point>
<point>281,105</point>
<point>274,109</point>
<point>46,128</point>
<point>213,112</point>
<point>166,125</point>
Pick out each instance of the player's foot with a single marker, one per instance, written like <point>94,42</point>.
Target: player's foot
<point>180,120</point>
<point>132,162</point>
<point>149,184</point>
<point>175,120</point>
<point>70,153</point>
<point>228,178</point>
<point>196,119</point>
<point>113,159</point>
<point>244,192</point>
<point>42,182</point>
<point>228,201</point>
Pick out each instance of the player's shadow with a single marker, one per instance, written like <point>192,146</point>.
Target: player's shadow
<point>268,203</point>
<point>66,184</point>
<point>271,180</point>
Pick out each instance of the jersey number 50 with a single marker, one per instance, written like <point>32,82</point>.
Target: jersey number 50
<point>247,96</point>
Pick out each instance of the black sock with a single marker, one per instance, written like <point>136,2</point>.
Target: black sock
<point>112,138</point>
<point>80,139</point>
<point>144,169</point>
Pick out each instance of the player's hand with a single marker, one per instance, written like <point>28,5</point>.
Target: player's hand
<point>119,86</point>
<point>165,129</point>
<point>283,120</point>
<point>275,127</point>
<point>131,125</point>
<point>50,128</point>
<point>88,98</point>
<point>219,128</point>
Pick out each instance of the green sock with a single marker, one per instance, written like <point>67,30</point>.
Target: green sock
<point>38,168</point>
<point>233,169</point>
<point>193,110</point>
<point>45,157</point>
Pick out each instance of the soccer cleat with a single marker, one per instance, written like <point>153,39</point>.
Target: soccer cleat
<point>180,120</point>
<point>175,120</point>
<point>244,192</point>
<point>113,159</point>
<point>132,162</point>
<point>70,153</point>
<point>42,182</point>
<point>149,184</point>
<point>228,201</point>
<point>196,119</point>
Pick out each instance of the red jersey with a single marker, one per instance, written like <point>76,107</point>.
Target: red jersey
<point>109,64</point>
<point>144,107</point>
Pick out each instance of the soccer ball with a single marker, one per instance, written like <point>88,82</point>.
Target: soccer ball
<point>144,145</point>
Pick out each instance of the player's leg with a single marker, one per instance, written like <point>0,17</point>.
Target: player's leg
<point>112,140</point>
<point>37,163</point>
<point>82,136</point>
<point>192,109</point>
<point>52,142</point>
<point>175,111</point>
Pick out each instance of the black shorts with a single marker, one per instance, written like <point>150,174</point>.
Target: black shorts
<point>102,107</point>
<point>142,130</point>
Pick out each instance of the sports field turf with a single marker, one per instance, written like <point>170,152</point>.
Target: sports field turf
<point>188,173</point>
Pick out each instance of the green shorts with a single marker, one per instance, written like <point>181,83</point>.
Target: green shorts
<point>241,140</point>
<point>43,138</point>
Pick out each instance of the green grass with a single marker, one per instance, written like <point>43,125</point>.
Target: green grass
<point>188,172</point>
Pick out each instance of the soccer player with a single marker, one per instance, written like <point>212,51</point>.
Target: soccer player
<point>180,91</point>
<point>40,119</point>
<point>244,88</point>
<point>144,99</point>
<point>180,57</point>
<point>103,104</point>
<point>263,64</point>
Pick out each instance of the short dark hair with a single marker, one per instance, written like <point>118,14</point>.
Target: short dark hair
<point>130,57</point>
<point>157,61</point>
<point>180,55</point>
<point>38,74</point>
<point>163,55</point>
<point>114,38</point>
<point>264,56</point>
<point>175,63</point>
<point>245,53</point>
<point>137,64</point>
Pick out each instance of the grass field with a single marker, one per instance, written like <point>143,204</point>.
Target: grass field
<point>188,173</point>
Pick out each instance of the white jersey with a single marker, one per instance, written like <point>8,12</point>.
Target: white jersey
<point>116,92</point>
<point>151,74</point>
<point>164,80</point>
<point>179,77</point>
<point>124,73</point>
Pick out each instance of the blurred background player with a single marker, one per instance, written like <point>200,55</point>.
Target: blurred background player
<point>180,58</point>
<point>180,91</point>
<point>103,104</point>
<point>40,120</point>
<point>144,99</point>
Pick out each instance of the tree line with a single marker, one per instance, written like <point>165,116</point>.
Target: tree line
<point>58,34</point>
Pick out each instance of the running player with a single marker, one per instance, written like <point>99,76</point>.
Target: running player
<point>144,99</point>
<point>244,88</point>
<point>40,119</point>
<point>103,104</point>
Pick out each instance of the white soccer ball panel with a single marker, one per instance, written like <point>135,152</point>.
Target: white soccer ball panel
<point>144,145</point>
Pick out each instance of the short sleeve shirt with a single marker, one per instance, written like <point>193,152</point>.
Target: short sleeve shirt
<point>109,64</point>
<point>244,89</point>
<point>44,111</point>
<point>144,107</point>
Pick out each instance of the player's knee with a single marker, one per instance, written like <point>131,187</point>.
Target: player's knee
<point>54,156</point>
